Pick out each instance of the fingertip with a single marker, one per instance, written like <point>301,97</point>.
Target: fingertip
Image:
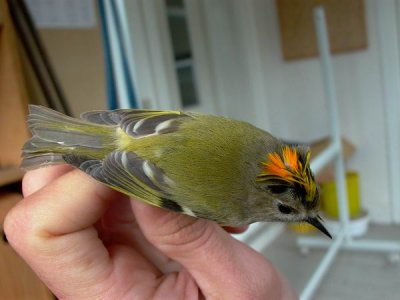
<point>235,230</point>
<point>36,179</point>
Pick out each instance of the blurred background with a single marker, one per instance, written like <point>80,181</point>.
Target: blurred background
<point>253,60</point>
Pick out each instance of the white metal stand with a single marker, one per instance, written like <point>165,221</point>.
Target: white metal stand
<point>334,153</point>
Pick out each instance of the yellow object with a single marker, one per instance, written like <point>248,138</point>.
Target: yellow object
<point>329,199</point>
<point>302,227</point>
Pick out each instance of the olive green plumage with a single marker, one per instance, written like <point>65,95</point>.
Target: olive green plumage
<point>200,165</point>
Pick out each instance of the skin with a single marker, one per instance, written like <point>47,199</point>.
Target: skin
<point>86,241</point>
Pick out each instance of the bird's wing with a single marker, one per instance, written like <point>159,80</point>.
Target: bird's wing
<point>128,173</point>
<point>138,123</point>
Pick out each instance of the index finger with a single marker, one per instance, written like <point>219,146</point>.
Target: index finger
<point>58,208</point>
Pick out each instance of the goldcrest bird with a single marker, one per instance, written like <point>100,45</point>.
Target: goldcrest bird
<point>200,165</point>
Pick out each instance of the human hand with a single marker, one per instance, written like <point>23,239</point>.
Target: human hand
<point>86,241</point>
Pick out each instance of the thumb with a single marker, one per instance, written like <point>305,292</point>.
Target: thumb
<point>222,266</point>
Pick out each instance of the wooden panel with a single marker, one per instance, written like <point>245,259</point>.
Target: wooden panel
<point>17,281</point>
<point>13,97</point>
<point>346,26</point>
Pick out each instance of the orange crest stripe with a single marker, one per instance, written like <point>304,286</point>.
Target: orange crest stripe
<point>276,166</point>
<point>283,166</point>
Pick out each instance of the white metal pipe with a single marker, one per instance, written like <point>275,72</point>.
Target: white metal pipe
<point>325,157</point>
<point>329,84</point>
<point>261,235</point>
<point>355,245</point>
<point>341,188</point>
<point>314,242</point>
<point>327,70</point>
<point>373,246</point>
<point>271,233</point>
<point>330,90</point>
<point>253,230</point>
<point>323,267</point>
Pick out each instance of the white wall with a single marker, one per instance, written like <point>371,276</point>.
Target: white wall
<point>228,60</point>
<point>295,105</point>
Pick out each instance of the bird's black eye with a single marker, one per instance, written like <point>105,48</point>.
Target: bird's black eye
<point>285,209</point>
<point>278,189</point>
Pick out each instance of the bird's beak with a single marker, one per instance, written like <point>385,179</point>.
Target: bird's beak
<point>317,224</point>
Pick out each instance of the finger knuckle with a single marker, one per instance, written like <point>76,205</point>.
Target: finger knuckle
<point>19,228</point>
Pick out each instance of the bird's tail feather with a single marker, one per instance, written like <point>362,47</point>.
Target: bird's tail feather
<point>55,135</point>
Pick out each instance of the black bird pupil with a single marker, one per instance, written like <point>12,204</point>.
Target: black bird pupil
<point>284,209</point>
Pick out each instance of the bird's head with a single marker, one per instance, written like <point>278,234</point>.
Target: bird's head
<point>286,178</point>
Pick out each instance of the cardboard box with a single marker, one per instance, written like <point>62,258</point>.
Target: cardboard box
<point>327,174</point>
